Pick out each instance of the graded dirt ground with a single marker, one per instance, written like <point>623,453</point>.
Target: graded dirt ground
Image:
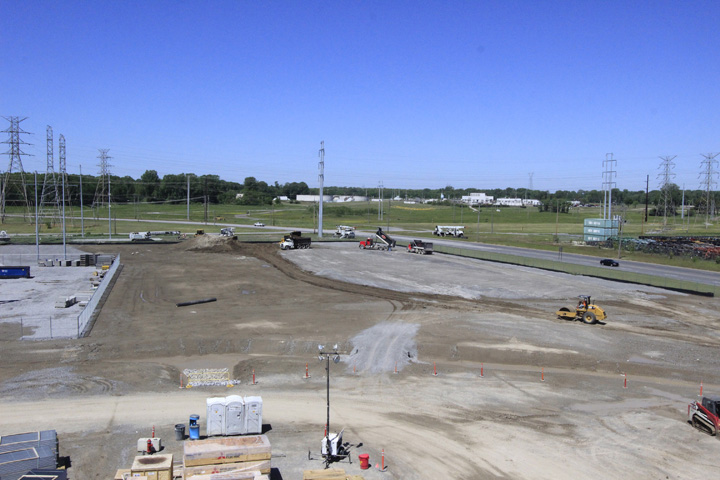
<point>550,402</point>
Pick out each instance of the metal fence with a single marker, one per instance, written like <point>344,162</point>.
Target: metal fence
<point>575,269</point>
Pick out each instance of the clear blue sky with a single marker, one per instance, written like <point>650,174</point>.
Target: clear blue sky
<point>412,93</point>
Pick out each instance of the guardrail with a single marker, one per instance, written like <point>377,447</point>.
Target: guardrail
<point>575,269</point>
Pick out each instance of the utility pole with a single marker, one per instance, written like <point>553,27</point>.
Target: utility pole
<point>321,179</point>
<point>666,176</point>
<point>380,194</point>
<point>188,196</point>
<point>647,196</point>
<point>64,176</point>
<point>82,218</point>
<point>15,154</point>
<point>708,175</point>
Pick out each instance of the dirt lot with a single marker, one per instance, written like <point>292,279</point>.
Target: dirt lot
<point>384,309</point>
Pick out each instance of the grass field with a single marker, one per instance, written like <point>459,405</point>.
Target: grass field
<point>512,226</point>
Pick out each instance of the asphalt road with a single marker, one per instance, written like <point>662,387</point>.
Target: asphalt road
<point>686,274</point>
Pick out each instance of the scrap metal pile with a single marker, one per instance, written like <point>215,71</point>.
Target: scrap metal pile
<point>707,248</point>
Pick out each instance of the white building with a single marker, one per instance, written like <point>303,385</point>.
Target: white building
<point>477,198</point>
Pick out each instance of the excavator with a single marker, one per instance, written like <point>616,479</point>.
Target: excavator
<point>586,311</point>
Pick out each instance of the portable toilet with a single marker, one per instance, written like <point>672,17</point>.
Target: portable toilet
<point>234,415</point>
<point>215,416</point>
<point>194,426</point>
<point>253,415</point>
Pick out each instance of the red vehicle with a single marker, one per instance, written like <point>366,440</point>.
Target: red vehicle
<point>703,415</point>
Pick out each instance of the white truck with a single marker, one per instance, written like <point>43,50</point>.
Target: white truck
<point>343,231</point>
<point>139,236</point>
<point>449,231</point>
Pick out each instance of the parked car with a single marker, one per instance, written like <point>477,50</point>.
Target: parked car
<point>259,224</point>
<point>609,262</point>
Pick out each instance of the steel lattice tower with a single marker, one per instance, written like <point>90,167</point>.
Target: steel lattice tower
<point>65,191</point>
<point>100,192</point>
<point>708,176</point>
<point>15,154</point>
<point>50,198</point>
<point>666,175</point>
<point>609,163</point>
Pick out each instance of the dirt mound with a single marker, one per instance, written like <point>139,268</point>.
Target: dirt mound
<point>212,244</point>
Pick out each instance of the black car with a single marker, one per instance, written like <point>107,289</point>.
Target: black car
<point>609,262</point>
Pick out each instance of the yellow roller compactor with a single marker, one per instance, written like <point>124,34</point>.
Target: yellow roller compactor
<point>586,311</point>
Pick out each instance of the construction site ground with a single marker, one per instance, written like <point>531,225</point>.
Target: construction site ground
<point>519,394</point>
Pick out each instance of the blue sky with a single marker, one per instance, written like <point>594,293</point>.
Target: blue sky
<point>411,93</point>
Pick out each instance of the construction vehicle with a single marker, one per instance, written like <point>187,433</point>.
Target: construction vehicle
<point>295,241</point>
<point>4,237</point>
<point>418,246</point>
<point>382,241</point>
<point>704,415</point>
<point>227,232</point>
<point>199,231</point>
<point>586,311</point>
<point>343,231</point>
<point>449,231</point>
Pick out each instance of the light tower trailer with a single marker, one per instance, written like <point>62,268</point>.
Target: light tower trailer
<point>420,247</point>
<point>449,231</point>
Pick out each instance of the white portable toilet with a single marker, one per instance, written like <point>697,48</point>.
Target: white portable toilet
<point>215,416</point>
<point>253,415</point>
<point>234,415</point>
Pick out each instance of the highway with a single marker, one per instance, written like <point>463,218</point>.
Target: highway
<point>686,274</point>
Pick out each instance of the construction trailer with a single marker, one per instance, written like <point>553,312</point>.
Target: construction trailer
<point>449,231</point>
<point>420,247</point>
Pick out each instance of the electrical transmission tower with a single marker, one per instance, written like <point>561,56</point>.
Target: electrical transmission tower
<point>708,176</point>
<point>9,185</point>
<point>666,175</point>
<point>50,198</point>
<point>65,191</point>
<point>608,174</point>
<point>100,192</point>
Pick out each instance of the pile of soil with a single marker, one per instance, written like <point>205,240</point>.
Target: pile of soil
<point>212,244</point>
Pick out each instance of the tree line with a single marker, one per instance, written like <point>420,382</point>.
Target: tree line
<point>150,187</point>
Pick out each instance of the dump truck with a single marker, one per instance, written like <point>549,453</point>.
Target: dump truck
<point>449,231</point>
<point>294,241</point>
<point>586,311</point>
<point>420,247</point>
<point>705,414</point>
<point>382,241</point>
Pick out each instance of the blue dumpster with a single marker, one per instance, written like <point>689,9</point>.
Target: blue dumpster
<point>194,427</point>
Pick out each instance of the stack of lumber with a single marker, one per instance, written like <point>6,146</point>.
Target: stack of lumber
<point>227,458</point>
<point>329,474</point>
